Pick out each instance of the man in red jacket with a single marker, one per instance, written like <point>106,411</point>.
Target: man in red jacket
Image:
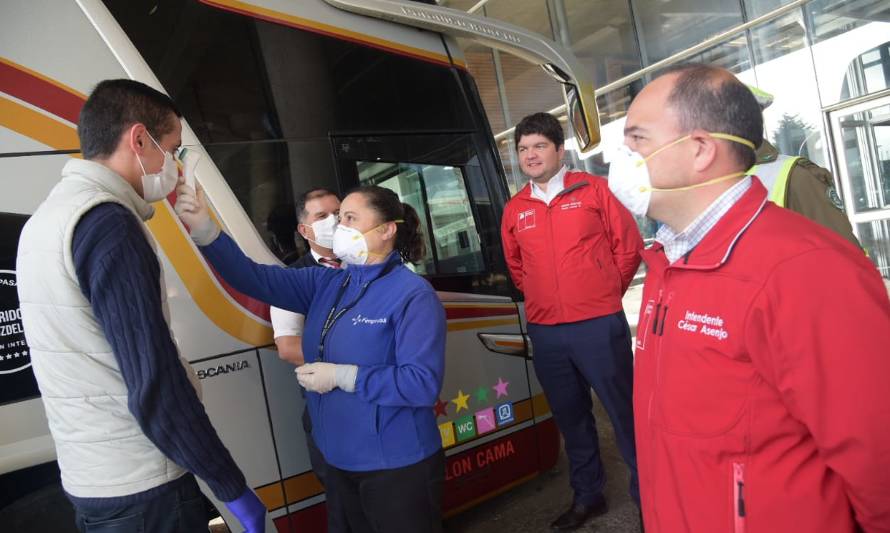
<point>762,351</point>
<point>573,250</point>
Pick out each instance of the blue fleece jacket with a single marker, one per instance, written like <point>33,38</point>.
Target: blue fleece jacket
<point>395,334</point>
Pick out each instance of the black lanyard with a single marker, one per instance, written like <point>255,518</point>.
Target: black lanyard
<point>334,315</point>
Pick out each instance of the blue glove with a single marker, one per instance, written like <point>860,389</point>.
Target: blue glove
<point>250,511</point>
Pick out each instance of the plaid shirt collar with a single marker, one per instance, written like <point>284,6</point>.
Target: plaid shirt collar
<point>676,245</point>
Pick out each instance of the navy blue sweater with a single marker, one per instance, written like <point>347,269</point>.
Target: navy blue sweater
<point>118,272</point>
<point>395,334</point>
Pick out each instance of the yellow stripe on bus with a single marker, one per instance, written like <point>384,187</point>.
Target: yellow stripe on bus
<point>200,283</point>
<point>172,240</point>
<point>35,125</point>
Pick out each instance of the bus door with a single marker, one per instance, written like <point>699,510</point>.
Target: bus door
<point>485,411</point>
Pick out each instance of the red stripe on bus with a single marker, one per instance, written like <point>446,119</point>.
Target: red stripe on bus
<point>453,313</point>
<point>255,307</point>
<point>39,93</point>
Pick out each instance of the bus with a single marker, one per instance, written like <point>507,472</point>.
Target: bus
<point>279,97</point>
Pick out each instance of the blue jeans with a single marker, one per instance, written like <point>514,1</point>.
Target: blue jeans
<point>179,510</point>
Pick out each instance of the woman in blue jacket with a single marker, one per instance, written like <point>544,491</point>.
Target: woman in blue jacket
<point>374,342</point>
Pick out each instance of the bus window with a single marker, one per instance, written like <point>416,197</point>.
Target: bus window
<point>263,98</point>
<point>440,175</point>
<point>438,194</point>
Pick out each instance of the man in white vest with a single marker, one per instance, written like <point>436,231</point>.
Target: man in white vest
<point>122,404</point>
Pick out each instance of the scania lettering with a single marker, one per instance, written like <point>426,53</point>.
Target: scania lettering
<point>222,369</point>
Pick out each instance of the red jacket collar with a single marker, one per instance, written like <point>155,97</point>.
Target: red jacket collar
<point>714,250</point>
<point>571,181</point>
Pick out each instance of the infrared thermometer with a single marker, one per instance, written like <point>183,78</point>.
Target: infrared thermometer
<point>189,160</point>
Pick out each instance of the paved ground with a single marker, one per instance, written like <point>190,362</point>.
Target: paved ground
<point>532,506</point>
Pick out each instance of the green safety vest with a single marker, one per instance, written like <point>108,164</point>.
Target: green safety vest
<point>774,176</point>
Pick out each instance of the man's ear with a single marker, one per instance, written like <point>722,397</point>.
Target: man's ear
<point>706,149</point>
<point>135,137</point>
<point>303,230</point>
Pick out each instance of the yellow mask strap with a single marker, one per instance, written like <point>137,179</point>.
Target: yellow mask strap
<point>375,228</point>
<point>697,185</point>
<point>734,138</point>
<point>724,136</point>
<point>662,149</point>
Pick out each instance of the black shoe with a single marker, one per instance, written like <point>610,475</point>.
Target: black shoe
<point>579,513</point>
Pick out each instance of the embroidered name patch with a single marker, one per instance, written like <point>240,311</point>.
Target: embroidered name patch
<point>704,324</point>
<point>356,320</point>
<point>526,220</point>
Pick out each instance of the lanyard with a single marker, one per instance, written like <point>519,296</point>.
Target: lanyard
<point>334,315</point>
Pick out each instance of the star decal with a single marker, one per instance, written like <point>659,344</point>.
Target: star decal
<point>461,400</point>
<point>482,395</point>
<point>501,387</point>
<point>441,408</point>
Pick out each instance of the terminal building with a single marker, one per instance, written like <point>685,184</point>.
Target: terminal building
<point>826,62</point>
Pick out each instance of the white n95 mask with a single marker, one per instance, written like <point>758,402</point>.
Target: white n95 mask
<point>324,231</point>
<point>158,185</point>
<point>350,246</point>
<point>629,177</point>
<point>629,180</point>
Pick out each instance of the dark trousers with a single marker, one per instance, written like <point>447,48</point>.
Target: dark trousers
<point>400,500</point>
<point>571,358</point>
<point>179,510</point>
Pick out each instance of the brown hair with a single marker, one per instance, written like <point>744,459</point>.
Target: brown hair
<point>409,235</point>
<point>311,194</point>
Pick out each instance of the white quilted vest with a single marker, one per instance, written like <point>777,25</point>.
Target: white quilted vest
<point>101,450</point>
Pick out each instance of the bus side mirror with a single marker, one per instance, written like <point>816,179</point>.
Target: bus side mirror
<point>580,107</point>
<point>583,114</point>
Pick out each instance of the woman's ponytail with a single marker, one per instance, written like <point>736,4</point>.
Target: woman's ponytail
<point>409,234</point>
<point>409,239</point>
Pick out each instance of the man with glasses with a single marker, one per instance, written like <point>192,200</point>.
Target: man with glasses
<point>123,405</point>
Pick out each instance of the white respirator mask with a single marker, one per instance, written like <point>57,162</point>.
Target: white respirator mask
<point>324,231</point>
<point>629,177</point>
<point>158,185</point>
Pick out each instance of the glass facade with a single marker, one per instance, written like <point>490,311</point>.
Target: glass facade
<point>812,58</point>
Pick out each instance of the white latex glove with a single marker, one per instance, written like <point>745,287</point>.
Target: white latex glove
<point>191,206</point>
<point>324,377</point>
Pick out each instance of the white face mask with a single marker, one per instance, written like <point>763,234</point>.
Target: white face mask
<point>324,231</point>
<point>158,185</point>
<point>629,177</point>
<point>629,180</point>
<point>350,245</point>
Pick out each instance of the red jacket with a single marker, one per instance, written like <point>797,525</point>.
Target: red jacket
<point>761,379</point>
<point>574,258</point>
